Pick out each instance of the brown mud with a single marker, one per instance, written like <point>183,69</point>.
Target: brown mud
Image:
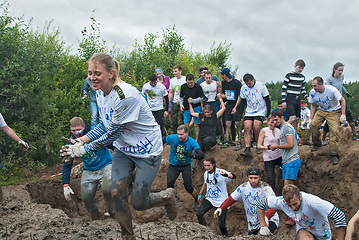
<point>39,211</point>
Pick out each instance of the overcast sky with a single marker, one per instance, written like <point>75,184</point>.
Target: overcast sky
<point>267,36</point>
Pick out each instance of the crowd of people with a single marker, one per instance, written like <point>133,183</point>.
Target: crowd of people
<point>123,152</point>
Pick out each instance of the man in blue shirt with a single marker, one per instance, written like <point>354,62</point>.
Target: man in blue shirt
<point>283,107</point>
<point>97,169</point>
<point>183,149</point>
<point>203,70</point>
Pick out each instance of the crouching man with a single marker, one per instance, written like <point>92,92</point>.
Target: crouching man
<point>310,213</point>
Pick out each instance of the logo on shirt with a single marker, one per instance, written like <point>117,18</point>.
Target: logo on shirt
<point>230,95</point>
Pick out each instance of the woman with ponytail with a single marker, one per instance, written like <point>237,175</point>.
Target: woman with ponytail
<point>215,180</point>
<point>127,122</point>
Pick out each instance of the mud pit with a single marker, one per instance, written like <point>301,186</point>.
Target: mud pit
<point>39,210</point>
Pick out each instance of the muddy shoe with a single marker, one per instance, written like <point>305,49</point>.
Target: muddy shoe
<point>225,145</point>
<point>315,148</point>
<point>238,147</point>
<point>334,159</point>
<point>246,153</point>
<point>259,151</point>
<point>171,205</point>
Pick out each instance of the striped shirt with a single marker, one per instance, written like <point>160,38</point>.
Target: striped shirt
<point>294,84</point>
<point>312,215</point>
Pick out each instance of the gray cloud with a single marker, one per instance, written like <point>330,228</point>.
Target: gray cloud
<point>267,36</point>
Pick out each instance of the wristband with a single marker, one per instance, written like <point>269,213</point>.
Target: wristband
<point>268,147</point>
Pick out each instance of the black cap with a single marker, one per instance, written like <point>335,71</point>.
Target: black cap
<point>254,171</point>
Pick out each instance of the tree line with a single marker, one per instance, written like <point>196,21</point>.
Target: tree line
<point>41,80</point>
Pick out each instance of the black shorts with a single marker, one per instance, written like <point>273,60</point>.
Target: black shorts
<point>228,116</point>
<point>252,118</point>
<point>293,105</point>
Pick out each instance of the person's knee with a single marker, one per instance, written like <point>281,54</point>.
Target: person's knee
<point>138,203</point>
<point>305,235</point>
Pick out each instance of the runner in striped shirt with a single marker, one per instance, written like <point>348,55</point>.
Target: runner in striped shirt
<point>310,213</point>
<point>293,86</point>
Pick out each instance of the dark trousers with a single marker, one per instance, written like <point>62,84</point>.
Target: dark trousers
<point>173,173</point>
<point>269,168</point>
<point>207,142</point>
<point>205,207</point>
<point>158,115</point>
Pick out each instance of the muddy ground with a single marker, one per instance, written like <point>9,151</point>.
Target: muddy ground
<point>38,210</point>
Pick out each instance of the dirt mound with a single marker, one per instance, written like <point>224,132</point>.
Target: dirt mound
<point>39,210</point>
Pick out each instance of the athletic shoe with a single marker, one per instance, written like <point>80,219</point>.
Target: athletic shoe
<point>246,153</point>
<point>324,143</point>
<point>219,142</point>
<point>334,159</point>
<point>254,145</point>
<point>233,143</point>
<point>225,145</point>
<point>259,151</point>
<point>315,148</point>
<point>238,147</point>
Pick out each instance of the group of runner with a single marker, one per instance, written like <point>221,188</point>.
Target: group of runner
<point>131,123</point>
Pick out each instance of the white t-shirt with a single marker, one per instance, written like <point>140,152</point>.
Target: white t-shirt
<point>154,95</point>
<point>210,90</point>
<point>249,196</point>
<point>175,85</point>
<point>141,136</point>
<point>328,100</point>
<point>256,105</point>
<point>304,115</point>
<point>312,214</point>
<point>216,193</point>
<point>2,121</point>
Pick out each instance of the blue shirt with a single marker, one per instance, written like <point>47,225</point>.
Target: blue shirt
<point>93,161</point>
<point>177,157</point>
<point>201,79</point>
<point>284,114</point>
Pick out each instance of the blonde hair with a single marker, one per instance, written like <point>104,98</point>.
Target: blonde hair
<point>76,121</point>
<point>289,191</point>
<point>109,63</point>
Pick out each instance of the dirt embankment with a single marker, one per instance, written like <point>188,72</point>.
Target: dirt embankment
<point>39,210</point>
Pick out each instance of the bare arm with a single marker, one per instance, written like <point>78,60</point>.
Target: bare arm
<point>8,131</point>
<point>219,87</point>
<point>170,95</point>
<point>261,140</point>
<point>288,145</point>
<point>193,113</point>
<point>312,110</point>
<point>223,108</point>
<point>342,104</point>
<point>351,226</point>
<point>261,215</point>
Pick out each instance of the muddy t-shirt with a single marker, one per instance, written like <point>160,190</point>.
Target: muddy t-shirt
<point>177,157</point>
<point>231,90</point>
<point>216,192</point>
<point>141,135</point>
<point>328,100</point>
<point>154,95</point>
<point>312,214</point>
<point>288,155</point>
<point>207,126</point>
<point>249,196</point>
<point>2,121</point>
<point>256,105</point>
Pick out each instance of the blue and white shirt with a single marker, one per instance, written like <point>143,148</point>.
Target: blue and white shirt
<point>328,100</point>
